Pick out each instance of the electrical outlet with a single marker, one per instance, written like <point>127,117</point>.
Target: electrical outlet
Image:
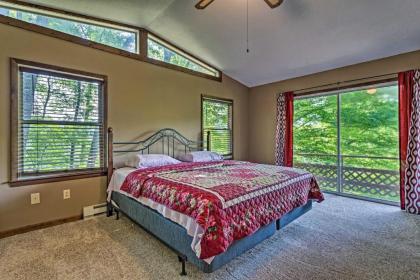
<point>35,198</point>
<point>66,194</point>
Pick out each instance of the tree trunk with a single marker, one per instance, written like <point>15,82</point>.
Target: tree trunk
<point>93,149</point>
<point>44,112</point>
<point>47,99</point>
<point>29,86</point>
<point>76,115</point>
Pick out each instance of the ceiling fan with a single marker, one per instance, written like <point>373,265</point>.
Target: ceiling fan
<point>202,4</point>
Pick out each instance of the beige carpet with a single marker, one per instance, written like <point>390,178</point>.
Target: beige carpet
<point>339,239</point>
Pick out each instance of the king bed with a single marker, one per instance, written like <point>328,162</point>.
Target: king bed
<point>210,210</point>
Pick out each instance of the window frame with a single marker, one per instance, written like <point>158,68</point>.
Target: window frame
<point>141,40</point>
<point>53,176</point>
<point>220,100</point>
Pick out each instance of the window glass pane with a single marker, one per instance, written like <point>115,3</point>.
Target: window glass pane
<point>161,52</point>
<point>369,142</point>
<point>60,124</point>
<point>369,122</point>
<point>121,39</point>
<point>315,138</point>
<point>217,119</point>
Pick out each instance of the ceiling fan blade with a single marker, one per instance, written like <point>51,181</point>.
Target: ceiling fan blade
<point>203,4</point>
<point>273,3</point>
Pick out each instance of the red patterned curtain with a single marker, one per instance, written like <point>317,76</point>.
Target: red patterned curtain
<point>284,129</point>
<point>409,121</point>
<point>405,86</point>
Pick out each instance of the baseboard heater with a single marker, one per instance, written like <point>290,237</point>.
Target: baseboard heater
<point>93,210</point>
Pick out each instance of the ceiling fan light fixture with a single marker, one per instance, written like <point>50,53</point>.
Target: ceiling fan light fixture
<point>203,4</point>
<point>273,3</point>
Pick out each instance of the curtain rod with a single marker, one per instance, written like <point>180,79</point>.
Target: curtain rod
<point>308,90</point>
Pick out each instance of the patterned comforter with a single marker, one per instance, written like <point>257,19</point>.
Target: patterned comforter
<point>228,199</point>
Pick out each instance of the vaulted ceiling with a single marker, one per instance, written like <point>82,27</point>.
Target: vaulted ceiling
<point>298,38</point>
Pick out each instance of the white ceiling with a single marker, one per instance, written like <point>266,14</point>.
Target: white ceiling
<point>298,38</point>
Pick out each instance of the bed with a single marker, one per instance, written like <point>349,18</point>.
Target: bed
<point>207,212</point>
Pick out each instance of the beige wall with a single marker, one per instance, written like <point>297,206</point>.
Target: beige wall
<point>262,99</point>
<point>142,98</point>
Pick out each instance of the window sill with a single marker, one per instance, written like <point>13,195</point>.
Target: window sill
<point>56,178</point>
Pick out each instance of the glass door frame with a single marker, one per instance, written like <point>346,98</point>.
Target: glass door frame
<point>340,162</point>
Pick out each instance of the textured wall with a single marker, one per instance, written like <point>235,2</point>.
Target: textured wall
<point>142,98</point>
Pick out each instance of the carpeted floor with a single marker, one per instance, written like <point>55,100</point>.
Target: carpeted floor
<point>341,238</point>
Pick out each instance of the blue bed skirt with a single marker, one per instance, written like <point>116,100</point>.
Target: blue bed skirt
<point>176,237</point>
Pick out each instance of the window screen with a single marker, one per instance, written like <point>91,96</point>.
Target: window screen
<point>60,123</point>
<point>217,120</point>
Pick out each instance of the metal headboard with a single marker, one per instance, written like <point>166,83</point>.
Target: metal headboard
<point>170,140</point>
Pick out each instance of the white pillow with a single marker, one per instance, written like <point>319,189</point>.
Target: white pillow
<point>201,156</point>
<point>149,160</point>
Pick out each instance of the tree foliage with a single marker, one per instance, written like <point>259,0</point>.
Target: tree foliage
<point>217,119</point>
<point>368,126</point>
<point>120,39</point>
<point>162,53</point>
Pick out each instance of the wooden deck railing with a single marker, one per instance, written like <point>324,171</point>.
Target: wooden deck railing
<point>367,182</point>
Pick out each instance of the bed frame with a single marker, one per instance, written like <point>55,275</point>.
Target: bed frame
<point>175,237</point>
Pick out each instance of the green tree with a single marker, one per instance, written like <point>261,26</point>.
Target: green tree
<point>58,144</point>
<point>162,53</point>
<point>216,119</point>
<point>368,122</point>
<point>120,39</point>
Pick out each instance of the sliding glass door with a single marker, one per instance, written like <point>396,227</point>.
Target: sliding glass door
<point>349,140</point>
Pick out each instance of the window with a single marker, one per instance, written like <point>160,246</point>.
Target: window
<point>111,35</point>
<point>217,122</point>
<point>349,140</point>
<point>116,38</point>
<point>58,121</point>
<point>159,50</point>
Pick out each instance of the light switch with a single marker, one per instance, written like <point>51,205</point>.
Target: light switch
<point>66,194</point>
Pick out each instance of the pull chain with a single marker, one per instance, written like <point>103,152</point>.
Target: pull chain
<point>247,26</point>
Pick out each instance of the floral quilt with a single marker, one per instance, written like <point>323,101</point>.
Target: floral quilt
<point>228,199</point>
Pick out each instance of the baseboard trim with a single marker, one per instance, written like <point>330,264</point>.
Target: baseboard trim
<point>29,228</point>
